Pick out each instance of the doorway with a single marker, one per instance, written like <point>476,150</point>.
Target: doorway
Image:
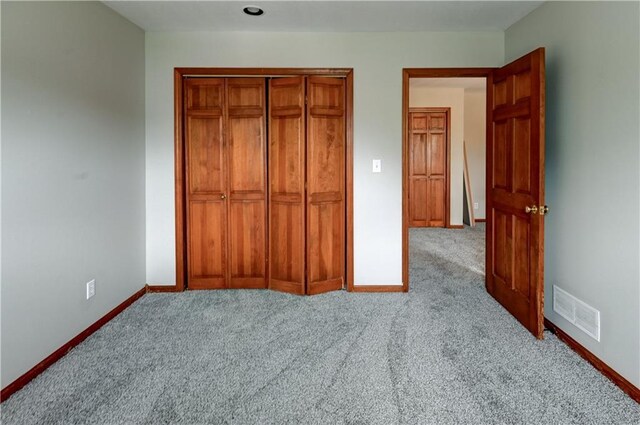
<point>515,209</point>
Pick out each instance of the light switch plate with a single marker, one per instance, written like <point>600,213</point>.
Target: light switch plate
<point>475,205</point>
<point>91,288</point>
<point>377,166</point>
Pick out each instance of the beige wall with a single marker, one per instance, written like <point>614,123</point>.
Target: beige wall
<point>475,137</point>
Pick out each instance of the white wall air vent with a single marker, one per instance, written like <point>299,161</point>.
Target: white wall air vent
<point>580,314</point>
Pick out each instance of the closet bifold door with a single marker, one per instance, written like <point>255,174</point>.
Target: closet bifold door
<point>206,183</point>
<point>247,170</point>
<point>326,241</point>
<point>287,184</point>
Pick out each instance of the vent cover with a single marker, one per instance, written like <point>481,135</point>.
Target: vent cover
<point>580,314</point>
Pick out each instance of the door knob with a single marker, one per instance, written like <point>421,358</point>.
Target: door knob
<point>223,196</point>
<point>543,210</point>
<point>531,210</point>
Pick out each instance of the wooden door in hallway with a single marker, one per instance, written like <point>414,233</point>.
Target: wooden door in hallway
<point>226,174</point>
<point>428,166</point>
<point>515,182</point>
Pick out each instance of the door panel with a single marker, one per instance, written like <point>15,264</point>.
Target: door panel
<point>437,154</point>
<point>287,156</point>
<point>207,246</point>
<point>247,247</point>
<point>325,184</point>
<point>419,189</point>
<point>247,182</point>
<point>522,156</point>
<point>206,183</point>
<point>206,154</point>
<point>515,176</point>
<point>326,248</point>
<point>436,202</point>
<point>419,158</point>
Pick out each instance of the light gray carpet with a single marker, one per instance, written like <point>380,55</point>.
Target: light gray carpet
<point>444,354</point>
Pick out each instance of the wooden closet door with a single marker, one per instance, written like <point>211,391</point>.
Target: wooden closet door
<point>247,209</point>
<point>325,184</point>
<point>206,183</point>
<point>287,184</point>
<point>428,168</point>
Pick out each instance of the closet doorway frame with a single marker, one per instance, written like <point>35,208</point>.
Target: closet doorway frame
<point>179,75</point>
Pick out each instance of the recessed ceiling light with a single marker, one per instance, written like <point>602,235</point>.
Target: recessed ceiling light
<point>253,10</point>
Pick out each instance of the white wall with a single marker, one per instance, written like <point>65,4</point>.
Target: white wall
<point>377,59</point>
<point>475,137</point>
<point>592,165</point>
<point>426,97</point>
<point>72,173</point>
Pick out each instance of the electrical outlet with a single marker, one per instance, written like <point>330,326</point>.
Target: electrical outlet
<point>475,206</point>
<point>91,288</point>
<point>377,166</point>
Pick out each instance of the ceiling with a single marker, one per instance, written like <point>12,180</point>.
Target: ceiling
<point>321,16</point>
<point>455,83</point>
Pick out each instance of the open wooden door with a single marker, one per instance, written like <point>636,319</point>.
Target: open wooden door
<point>325,184</point>
<point>515,186</point>
<point>287,157</point>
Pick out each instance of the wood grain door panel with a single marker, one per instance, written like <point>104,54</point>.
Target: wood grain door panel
<point>207,248</point>
<point>326,251</point>
<point>247,197</point>
<point>287,247</point>
<point>515,177</point>
<point>419,189</point>
<point>325,184</point>
<point>247,247</point>
<point>206,184</point>
<point>205,154</point>
<point>436,202</point>
<point>287,164</point>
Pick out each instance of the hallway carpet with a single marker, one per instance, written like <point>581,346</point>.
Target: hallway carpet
<point>446,353</point>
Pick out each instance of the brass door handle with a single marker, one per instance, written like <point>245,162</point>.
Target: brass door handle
<point>543,210</point>
<point>223,196</point>
<point>531,210</point>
